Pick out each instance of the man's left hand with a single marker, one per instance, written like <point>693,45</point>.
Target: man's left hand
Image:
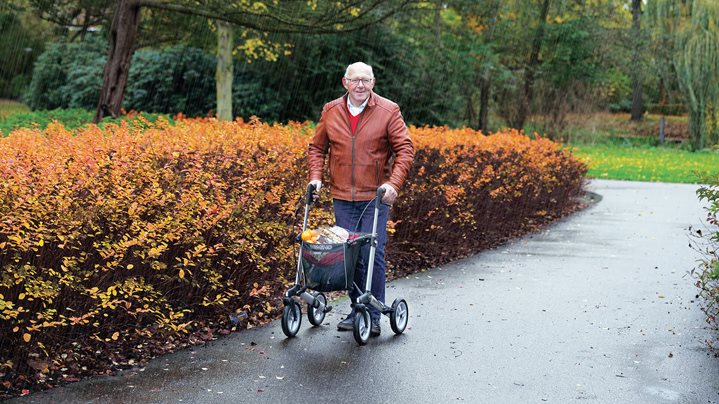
<point>390,193</point>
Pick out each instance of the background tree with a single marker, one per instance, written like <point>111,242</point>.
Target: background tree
<point>281,17</point>
<point>637,35</point>
<point>448,62</point>
<point>532,65</point>
<point>488,64</point>
<point>691,30</point>
<point>224,71</point>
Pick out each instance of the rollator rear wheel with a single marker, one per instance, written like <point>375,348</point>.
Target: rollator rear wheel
<point>317,315</point>
<point>399,316</point>
<point>362,325</point>
<point>291,319</point>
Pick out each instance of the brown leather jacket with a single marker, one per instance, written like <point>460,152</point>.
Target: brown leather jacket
<point>379,151</point>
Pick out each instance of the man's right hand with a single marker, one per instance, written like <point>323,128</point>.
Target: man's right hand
<point>317,184</point>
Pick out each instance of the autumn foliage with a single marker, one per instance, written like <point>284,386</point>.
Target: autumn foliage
<point>114,239</point>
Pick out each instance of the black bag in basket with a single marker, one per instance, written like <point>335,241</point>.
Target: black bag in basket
<point>329,267</point>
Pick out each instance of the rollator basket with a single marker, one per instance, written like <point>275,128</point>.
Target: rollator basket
<point>330,267</point>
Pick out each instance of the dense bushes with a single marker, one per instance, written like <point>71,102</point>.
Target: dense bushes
<point>175,79</point>
<point>68,75</point>
<point>468,192</point>
<point>171,80</point>
<point>21,46</point>
<point>112,238</point>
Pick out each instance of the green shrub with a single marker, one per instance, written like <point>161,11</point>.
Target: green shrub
<point>68,75</point>
<point>20,47</point>
<point>177,79</point>
<point>707,272</point>
<point>173,80</point>
<point>69,118</point>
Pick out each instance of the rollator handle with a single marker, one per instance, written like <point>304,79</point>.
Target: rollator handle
<point>380,193</point>
<point>310,191</point>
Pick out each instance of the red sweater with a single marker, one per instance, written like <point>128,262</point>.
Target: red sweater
<point>353,119</point>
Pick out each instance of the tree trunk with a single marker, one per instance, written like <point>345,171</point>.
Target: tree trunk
<point>224,72</point>
<point>531,68</point>
<point>637,106</point>
<point>713,126</point>
<point>485,80</point>
<point>698,127</point>
<point>438,24</point>
<point>122,42</point>
<point>485,85</point>
<point>470,113</point>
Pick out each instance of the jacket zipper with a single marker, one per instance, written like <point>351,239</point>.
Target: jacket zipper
<point>353,153</point>
<point>376,173</point>
<point>353,167</point>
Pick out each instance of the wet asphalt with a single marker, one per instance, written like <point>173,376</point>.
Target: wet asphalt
<point>596,308</point>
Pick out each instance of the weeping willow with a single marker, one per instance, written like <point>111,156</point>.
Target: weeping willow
<point>690,28</point>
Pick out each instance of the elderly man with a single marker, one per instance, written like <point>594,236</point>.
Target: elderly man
<point>369,147</point>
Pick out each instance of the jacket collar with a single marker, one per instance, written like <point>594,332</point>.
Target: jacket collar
<point>372,99</point>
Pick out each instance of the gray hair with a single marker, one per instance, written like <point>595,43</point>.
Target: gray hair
<point>361,65</point>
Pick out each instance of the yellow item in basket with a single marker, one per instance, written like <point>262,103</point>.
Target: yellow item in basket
<point>325,235</point>
<point>310,235</point>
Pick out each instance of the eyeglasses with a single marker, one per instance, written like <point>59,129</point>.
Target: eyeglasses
<point>357,81</point>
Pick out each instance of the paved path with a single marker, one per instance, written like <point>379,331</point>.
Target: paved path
<point>597,308</point>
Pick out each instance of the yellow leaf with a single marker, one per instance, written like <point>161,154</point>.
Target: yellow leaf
<point>115,336</point>
<point>21,296</point>
<point>182,273</point>
<point>26,337</point>
<point>16,329</point>
<point>130,266</point>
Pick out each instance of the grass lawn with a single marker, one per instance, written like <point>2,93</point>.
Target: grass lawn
<point>660,164</point>
<point>9,107</point>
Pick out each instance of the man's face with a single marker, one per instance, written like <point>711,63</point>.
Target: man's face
<point>359,83</point>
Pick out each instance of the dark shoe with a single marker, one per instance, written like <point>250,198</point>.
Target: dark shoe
<point>375,331</point>
<point>347,324</point>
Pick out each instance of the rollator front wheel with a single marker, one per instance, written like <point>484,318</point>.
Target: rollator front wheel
<point>399,316</point>
<point>317,315</point>
<point>291,319</point>
<point>362,325</point>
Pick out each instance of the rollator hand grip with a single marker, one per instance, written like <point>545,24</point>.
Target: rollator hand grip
<point>310,190</point>
<point>380,194</point>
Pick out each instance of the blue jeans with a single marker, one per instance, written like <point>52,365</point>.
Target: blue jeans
<point>349,215</point>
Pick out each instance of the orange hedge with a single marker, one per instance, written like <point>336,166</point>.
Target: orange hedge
<point>110,237</point>
<point>469,192</point>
